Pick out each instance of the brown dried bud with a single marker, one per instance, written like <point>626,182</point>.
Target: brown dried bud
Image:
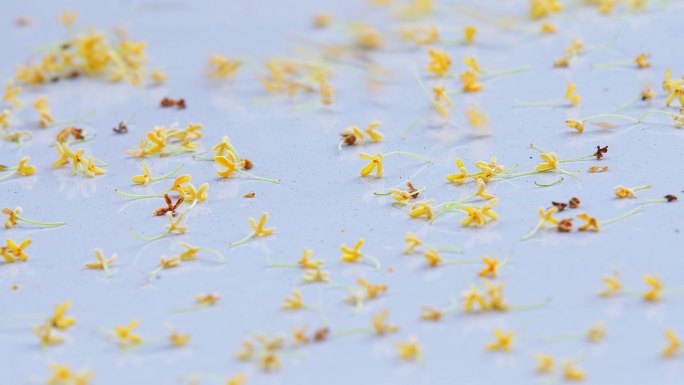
<point>249,195</point>
<point>565,226</point>
<point>247,164</point>
<point>321,334</point>
<point>574,203</point>
<point>348,138</point>
<point>600,151</point>
<point>670,197</point>
<point>412,190</point>
<point>167,102</point>
<point>561,206</point>
<point>122,128</point>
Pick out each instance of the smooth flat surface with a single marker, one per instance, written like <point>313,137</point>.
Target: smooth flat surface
<point>322,203</point>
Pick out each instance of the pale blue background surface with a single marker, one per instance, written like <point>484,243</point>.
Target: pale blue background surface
<point>322,202</point>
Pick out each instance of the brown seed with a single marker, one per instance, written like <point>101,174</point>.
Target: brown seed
<point>565,226</point>
<point>321,334</point>
<point>122,128</point>
<point>574,203</point>
<point>670,197</point>
<point>561,206</point>
<point>600,151</point>
<point>247,164</point>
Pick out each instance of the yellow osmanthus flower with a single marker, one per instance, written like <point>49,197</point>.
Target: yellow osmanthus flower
<point>542,8</point>
<point>573,373</point>
<point>655,293</point>
<point>190,194</point>
<point>178,339</point>
<point>571,96</point>
<point>432,257</point>
<point>470,80</point>
<point>4,118</point>
<point>325,91</point>
<point>367,37</point>
<point>166,263</point>
<point>372,291</point>
<point>375,164</point>
<point>412,241</point>
<point>24,168</point>
<point>503,342</point>
<point>210,299</point>
<point>306,262</point>
<point>47,335</point>
<point>545,216</point>
<point>461,177</point>
<point>59,320</point>
<point>409,350</point>
<point>380,325</point>
<point>68,18</point>
<point>295,302</point>
<point>421,209</point>
<point>125,336</point>
<point>12,251</point>
<point>597,332</point>
<point>673,343</point>
<point>223,67</point>
<point>496,300</point>
<point>259,230</point>
<point>477,216</point>
<point>550,162</point>
<point>547,28</point>
<point>591,223</point>
<point>575,124</point>
<point>440,62</point>
<point>41,106</point>
<point>613,285</point>
<point>491,268</point>
<point>103,263</point>
<point>420,35</point>
<point>354,254</point>
<point>469,33</point>
<point>11,93</point>
<point>545,363</point>
<point>431,314</point>
<point>145,178</point>
<point>622,192</point>
<point>269,362</point>
<point>473,297</point>
<point>316,275</point>
<point>642,61</point>
<point>482,189</point>
<point>477,117</point>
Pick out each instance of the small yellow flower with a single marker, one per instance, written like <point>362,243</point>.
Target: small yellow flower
<point>375,164</point>
<point>575,124</point>
<point>61,374</point>
<point>573,373</point>
<point>316,275</point>
<point>352,255</point>
<point>470,82</point>
<point>597,332</point>
<point>175,225</point>
<point>229,162</point>
<point>474,216</point>
<point>441,95</point>
<point>269,362</point>
<point>545,363</point>
<point>12,216</point>
<point>25,169</point>
<point>550,162</point>
<point>258,227</point>
<point>547,28</point>
<point>68,18</point>
<point>409,350</point>
<point>295,302</point>
<point>90,169</point>
<point>169,263</point>
<point>125,336</point>
<point>474,297</point>
<point>380,325</point>
<point>431,314</point>
<point>491,268</point>
<point>482,189</point>
<point>306,262</point>
<point>59,320</point>
<point>642,61</point>
<point>613,285</point>
<point>178,339</point>
<point>591,224</point>
<point>158,77</point>
<point>372,291</point>
<point>655,292</point>
<point>4,118</point>
<point>222,67</point>
<point>472,63</point>
<point>143,179</point>
<point>421,209</point>
<point>542,8</point>
<point>103,263</point>
<point>571,96</point>
<point>41,106</point>
<point>412,241</point>
<point>469,34</point>
<point>673,343</point>
<point>210,299</point>
<point>11,94</point>
<point>461,177</point>
<point>440,62</point>
<point>432,257</point>
<point>503,341</point>
<point>13,251</point>
<point>476,117</point>
<point>496,300</point>
<point>326,91</point>
<point>190,194</point>
<point>47,335</point>
<point>372,131</point>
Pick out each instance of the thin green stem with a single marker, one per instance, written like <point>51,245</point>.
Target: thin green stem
<point>617,63</point>
<point>272,263</point>
<point>351,332</point>
<point>621,217</point>
<point>149,239</point>
<point>552,102</point>
<point>560,179</point>
<point>217,253</point>
<point>258,178</point>
<point>243,240</point>
<point>175,170</point>
<point>424,159</point>
<point>534,231</point>
<point>374,260</point>
<point>422,85</point>
<point>507,72</point>
<point>8,175</point>
<point>647,113</point>
<point>644,187</point>
<point>612,116</point>
<point>46,224</point>
<point>141,196</point>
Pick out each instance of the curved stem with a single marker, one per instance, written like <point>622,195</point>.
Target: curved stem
<point>621,217</point>
<point>612,116</point>
<point>634,100</point>
<point>424,159</point>
<point>647,113</point>
<point>175,170</point>
<point>375,261</point>
<point>156,271</point>
<point>243,240</point>
<point>272,263</point>
<point>507,72</point>
<point>8,175</point>
<point>577,159</point>
<point>258,178</point>
<point>46,224</point>
<point>149,239</point>
<point>351,332</point>
<point>553,102</point>
<point>560,179</point>
<point>644,187</point>
<point>215,252</point>
<point>534,231</point>
<point>612,64</point>
<point>141,196</point>
<point>447,248</point>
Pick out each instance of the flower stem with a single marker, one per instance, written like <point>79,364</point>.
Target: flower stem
<point>46,224</point>
<point>560,179</point>
<point>258,178</point>
<point>272,263</point>
<point>621,217</point>
<point>8,175</point>
<point>136,196</point>
<point>424,159</point>
<point>351,332</point>
<point>374,260</point>
<point>612,116</point>
<point>217,253</point>
<point>175,170</point>
<point>149,239</point>
<point>647,113</point>
<point>534,231</point>
<point>553,102</point>
<point>243,240</point>
<point>507,72</point>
